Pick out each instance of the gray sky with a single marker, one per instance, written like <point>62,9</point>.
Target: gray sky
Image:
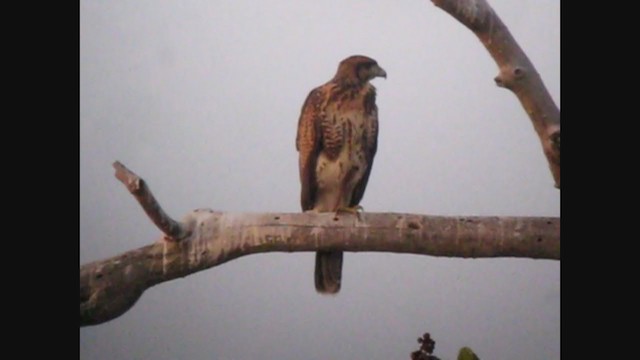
<point>202,98</point>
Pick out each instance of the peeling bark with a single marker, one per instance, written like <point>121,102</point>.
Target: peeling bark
<point>516,72</point>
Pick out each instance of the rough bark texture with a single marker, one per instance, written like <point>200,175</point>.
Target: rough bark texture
<point>110,287</point>
<point>517,73</point>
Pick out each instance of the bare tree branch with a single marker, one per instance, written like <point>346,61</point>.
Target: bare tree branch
<point>110,287</point>
<point>517,73</point>
<point>139,189</point>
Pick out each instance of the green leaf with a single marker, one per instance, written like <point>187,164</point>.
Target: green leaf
<point>467,354</point>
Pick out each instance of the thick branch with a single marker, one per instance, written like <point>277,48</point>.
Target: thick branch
<point>110,287</point>
<point>517,73</point>
<point>139,189</point>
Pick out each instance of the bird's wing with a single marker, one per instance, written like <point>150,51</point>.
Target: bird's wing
<point>309,145</point>
<point>370,144</point>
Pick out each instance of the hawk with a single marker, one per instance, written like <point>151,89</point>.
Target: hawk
<point>337,140</point>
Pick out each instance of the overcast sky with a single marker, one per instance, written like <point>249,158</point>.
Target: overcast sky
<point>202,98</point>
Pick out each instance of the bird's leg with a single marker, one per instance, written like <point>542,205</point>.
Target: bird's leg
<point>356,210</point>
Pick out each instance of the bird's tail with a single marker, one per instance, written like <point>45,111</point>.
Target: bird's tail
<point>328,274</point>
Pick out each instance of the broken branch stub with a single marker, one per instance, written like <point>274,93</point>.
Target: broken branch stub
<point>173,230</point>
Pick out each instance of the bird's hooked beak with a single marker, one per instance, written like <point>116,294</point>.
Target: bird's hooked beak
<point>376,70</point>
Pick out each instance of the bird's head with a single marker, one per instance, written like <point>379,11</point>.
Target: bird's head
<point>359,69</point>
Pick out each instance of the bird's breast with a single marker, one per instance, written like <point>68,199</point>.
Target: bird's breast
<point>348,161</point>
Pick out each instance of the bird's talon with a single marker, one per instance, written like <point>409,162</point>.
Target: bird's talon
<point>356,210</point>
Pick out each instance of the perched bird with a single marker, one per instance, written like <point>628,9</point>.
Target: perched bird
<point>337,140</point>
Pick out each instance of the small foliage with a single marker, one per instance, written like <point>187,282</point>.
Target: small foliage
<point>427,345</point>
<point>467,354</point>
